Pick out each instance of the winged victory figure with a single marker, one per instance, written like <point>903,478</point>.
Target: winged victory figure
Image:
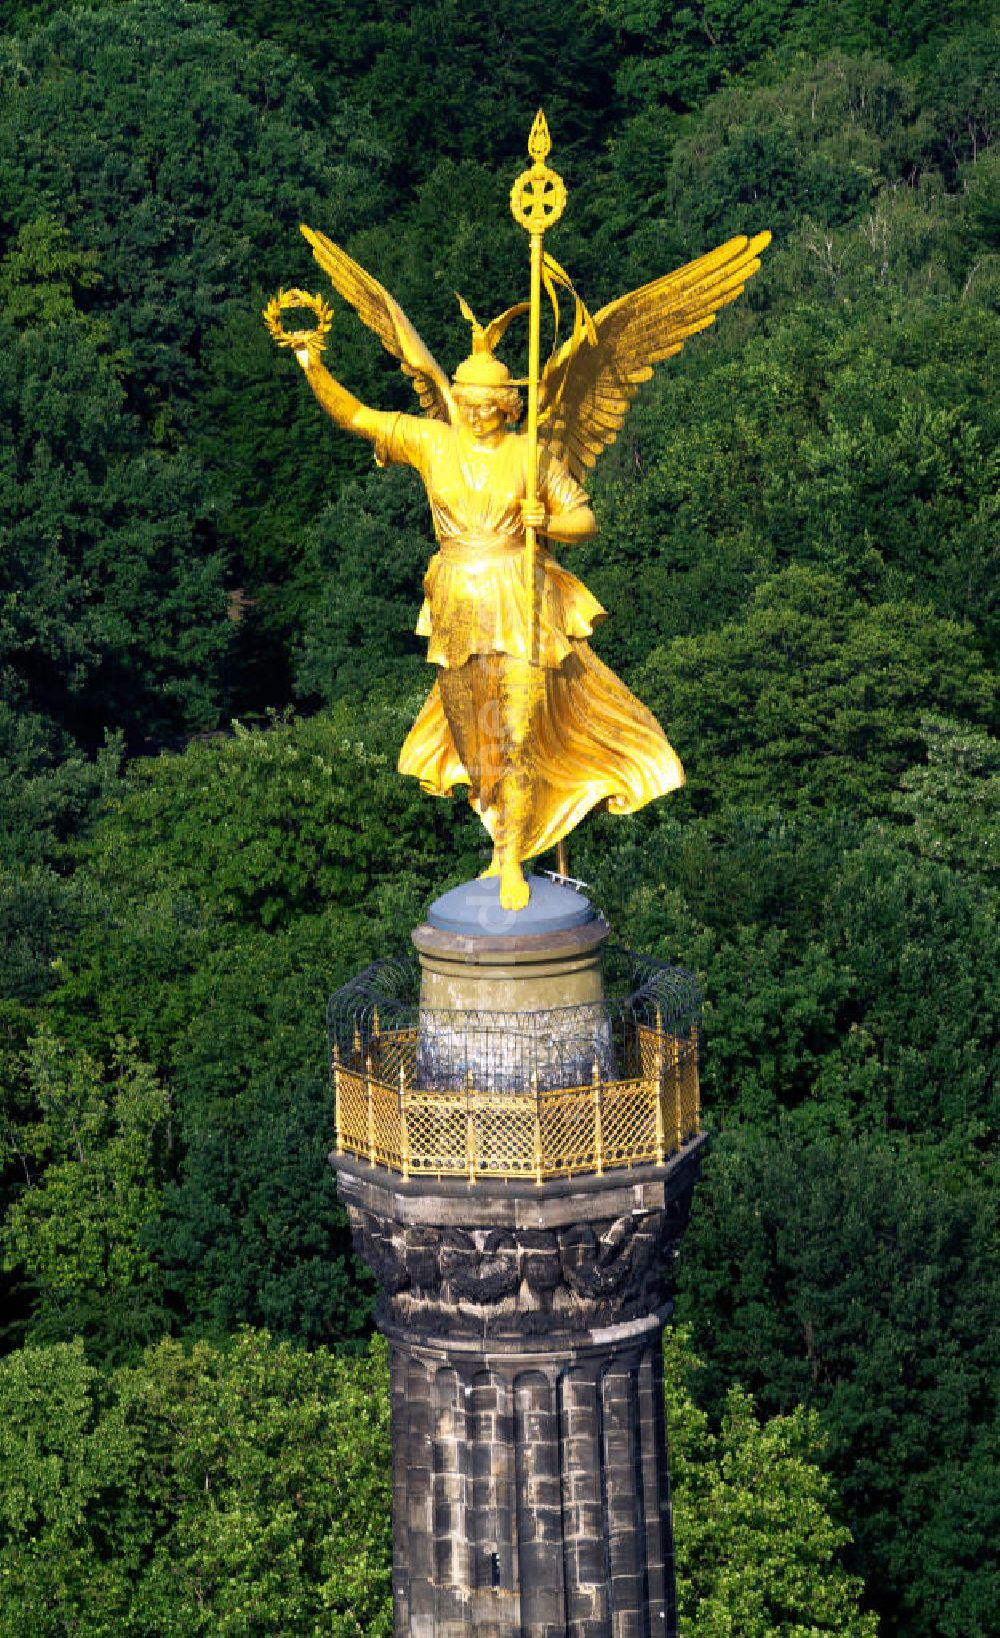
<point>522,711</point>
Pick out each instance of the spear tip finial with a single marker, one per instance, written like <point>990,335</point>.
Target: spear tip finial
<point>539,141</point>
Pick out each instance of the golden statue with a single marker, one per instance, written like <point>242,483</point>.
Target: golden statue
<point>523,712</point>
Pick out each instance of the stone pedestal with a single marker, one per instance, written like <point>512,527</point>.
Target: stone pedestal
<point>530,1488</point>
<point>512,1011</point>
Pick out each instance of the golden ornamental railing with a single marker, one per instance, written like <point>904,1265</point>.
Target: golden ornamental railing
<point>385,1117</point>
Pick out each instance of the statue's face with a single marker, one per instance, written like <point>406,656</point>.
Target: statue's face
<point>483,411</point>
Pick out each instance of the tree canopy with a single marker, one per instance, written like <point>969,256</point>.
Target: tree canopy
<point>247,1489</point>
<point>207,666</point>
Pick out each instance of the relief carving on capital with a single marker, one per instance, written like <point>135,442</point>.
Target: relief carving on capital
<point>576,1276</point>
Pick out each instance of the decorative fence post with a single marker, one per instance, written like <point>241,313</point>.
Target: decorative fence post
<point>404,1136</point>
<point>595,1081</point>
<point>659,1089</point>
<point>470,1129</point>
<point>370,1101</point>
<point>677,1082</point>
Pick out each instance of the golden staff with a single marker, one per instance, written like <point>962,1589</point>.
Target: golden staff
<point>537,200</point>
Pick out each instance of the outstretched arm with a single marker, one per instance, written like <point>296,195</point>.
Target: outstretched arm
<point>340,405</point>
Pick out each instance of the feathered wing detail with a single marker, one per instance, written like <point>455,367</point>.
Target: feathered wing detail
<point>498,327</point>
<point>586,389</point>
<point>383,314</point>
<point>485,337</point>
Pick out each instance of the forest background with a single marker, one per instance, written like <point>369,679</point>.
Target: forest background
<point>207,600</point>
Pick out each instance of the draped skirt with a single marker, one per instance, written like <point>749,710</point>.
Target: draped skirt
<point>569,737</point>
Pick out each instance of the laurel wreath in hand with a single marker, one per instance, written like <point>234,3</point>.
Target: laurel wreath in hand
<point>313,339</point>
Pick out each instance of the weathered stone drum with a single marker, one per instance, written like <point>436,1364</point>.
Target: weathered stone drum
<point>512,1009</point>
<point>523,1300</point>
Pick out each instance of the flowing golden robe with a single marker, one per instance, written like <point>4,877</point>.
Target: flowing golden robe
<point>572,731</point>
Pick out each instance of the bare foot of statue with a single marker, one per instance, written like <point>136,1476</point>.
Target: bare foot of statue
<point>514,890</point>
<point>493,868</point>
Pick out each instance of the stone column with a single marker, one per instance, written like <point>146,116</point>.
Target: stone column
<point>524,1317</point>
<point>530,1495</point>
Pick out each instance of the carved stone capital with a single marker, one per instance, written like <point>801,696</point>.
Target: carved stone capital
<point>584,1260</point>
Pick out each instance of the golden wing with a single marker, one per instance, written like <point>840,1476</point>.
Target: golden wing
<point>586,390</point>
<point>383,314</point>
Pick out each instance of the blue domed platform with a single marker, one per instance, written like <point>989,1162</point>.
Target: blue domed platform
<point>474,910</point>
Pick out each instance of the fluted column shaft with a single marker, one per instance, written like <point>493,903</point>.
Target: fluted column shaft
<point>533,1500</point>
<point>530,1486</point>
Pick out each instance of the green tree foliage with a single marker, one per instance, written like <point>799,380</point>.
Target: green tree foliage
<point>817,142</point>
<point>844,969</point>
<point>960,84</point>
<point>93,1163</point>
<point>227,892</point>
<point>370,548</point>
<point>679,54</point>
<point>185,158</point>
<point>67,1539</point>
<point>814,700</point>
<point>863,450</point>
<point>837,1272</point>
<point>755,1520</point>
<point>266,825</point>
<point>919,1034</point>
<point>247,1489</point>
<point>953,799</point>
<point>406,64</point>
<point>211,1491</point>
<point>110,610</point>
<point>48,788</point>
<point>798,552</point>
